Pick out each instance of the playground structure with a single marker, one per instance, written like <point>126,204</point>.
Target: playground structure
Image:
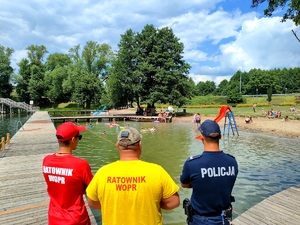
<point>229,123</point>
<point>99,111</point>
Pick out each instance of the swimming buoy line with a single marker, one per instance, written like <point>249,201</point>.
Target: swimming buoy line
<point>100,136</point>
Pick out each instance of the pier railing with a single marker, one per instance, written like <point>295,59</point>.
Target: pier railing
<point>4,142</point>
<point>13,104</point>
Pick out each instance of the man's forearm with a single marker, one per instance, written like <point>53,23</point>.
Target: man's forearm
<point>94,204</point>
<point>186,185</point>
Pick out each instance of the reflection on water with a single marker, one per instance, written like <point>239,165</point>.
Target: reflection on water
<point>11,123</point>
<point>267,165</point>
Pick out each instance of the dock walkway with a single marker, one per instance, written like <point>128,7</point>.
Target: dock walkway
<point>120,117</point>
<point>23,195</point>
<point>279,209</point>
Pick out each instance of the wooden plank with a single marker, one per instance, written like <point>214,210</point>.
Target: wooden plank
<point>110,118</point>
<point>279,209</point>
<point>23,194</point>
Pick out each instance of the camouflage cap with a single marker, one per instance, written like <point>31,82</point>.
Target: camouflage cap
<point>128,136</point>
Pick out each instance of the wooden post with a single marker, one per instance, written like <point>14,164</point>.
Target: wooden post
<point>3,144</point>
<point>8,138</point>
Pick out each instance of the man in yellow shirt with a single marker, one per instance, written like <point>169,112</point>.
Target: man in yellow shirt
<point>131,191</point>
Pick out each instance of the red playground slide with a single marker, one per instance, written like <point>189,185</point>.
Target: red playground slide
<point>223,111</point>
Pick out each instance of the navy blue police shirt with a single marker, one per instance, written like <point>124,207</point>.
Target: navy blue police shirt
<point>212,175</point>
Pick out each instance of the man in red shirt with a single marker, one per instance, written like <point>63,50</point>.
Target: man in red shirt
<point>67,178</point>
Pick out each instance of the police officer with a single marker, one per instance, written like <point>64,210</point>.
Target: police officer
<point>211,175</point>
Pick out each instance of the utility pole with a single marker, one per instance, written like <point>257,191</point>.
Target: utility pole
<point>240,83</point>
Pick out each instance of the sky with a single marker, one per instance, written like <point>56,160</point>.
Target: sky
<point>220,37</point>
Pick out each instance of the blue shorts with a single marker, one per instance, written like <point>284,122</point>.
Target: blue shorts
<point>211,220</point>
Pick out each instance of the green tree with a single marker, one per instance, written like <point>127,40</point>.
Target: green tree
<point>291,13</point>
<point>87,89</point>
<point>257,81</point>
<point>57,60</point>
<point>23,78</point>
<point>36,86</point>
<point>36,53</point>
<point>291,81</point>
<point>31,75</point>
<point>221,90</point>
<point>263,81</point>
<point>150,68</point>
<point>234,98</point>
<point>269,93</point>
<point>57,67</point>
<point>206,88</point>
<point>122,84</point>
<point>237,83</point>
<point>292,9</point>
<point>97,58</point>
<point>6,72</point>
<point>161,62</point>
<point>85,74</point>
<point>193,86</point>
<point>54,81</point>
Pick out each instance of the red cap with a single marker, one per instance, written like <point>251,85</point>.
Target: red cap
<point>199,137</point>
<point>68,130</point>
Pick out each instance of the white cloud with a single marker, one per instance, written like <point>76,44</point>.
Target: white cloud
<point>262,43</point>
<point>198,78</point>
<point>217,42</point>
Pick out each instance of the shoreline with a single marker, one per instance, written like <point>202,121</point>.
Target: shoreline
<point>265,125</point>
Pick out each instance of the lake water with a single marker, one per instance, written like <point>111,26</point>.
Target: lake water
<point>11,123</point>
<point>267,165</point>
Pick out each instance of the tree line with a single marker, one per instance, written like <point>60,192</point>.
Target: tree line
<point>147,68</point>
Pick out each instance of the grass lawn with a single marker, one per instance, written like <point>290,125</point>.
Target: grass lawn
<point>245,111</point>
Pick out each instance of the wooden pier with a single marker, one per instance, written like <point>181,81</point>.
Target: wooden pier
<point>279,209</point>
<point>8,106</point>
<point>23,194</point>
<point>118,117</point>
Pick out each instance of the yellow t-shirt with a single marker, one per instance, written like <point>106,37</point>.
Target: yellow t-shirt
<point>130,192</point>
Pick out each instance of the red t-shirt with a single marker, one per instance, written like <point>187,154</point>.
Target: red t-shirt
<point>67,177</point>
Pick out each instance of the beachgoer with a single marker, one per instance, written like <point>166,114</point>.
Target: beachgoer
<point>152,129</point>
<point>161,117</point>
<point>211,175</point>
<point>248,119</point>
<point>278,114</point>
<point>254,107</point>
<point>194,118</point>
<point>67,178</point>
<point>198,119</point>
<point>131,191</point>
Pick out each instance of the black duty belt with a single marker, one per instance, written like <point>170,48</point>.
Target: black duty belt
<point>218,213</point>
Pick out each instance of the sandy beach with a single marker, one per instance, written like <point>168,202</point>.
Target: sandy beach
<point>268,126</point>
